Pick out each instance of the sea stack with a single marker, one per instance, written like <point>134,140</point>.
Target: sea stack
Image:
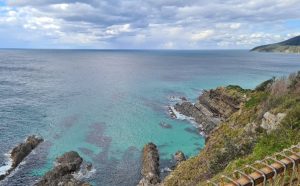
<point>150,170</point>
<point>61,174</point>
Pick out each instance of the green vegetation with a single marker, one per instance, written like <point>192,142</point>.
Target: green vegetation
<point>255,99</point>
<point>264,85</point>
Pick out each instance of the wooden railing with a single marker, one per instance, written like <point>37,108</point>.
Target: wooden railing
<point>281,169</point>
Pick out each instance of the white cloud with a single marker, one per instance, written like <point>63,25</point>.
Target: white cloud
<point>202,35</point>
<point>118,29</point>
<point>150,23</point>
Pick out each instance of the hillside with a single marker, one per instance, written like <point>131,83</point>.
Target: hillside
<point>289,46</point>
<point>267,121</point>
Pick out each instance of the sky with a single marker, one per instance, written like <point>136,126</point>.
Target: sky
<point>147,24</point>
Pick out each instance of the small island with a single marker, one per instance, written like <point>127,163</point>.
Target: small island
<point>288,46</point>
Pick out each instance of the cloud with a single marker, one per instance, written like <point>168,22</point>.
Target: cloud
<point>202,35</point>
<point>148,23</point>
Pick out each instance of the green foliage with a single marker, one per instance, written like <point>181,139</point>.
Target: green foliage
<point>256,99</point>
<point>264,85</point>
<point>294,80</point>
<point>235,87</point>
<point>292,120</point>
<point>286,135</point>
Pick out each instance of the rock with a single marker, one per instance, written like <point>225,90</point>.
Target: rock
<point>150,170</point>
<point>212,107</point>
<point>179,157</point>
<point>183,98</point>
<point>21,151</point>
<point>251,128</point>
<point>270,121</point>
<point>89,167</point>
<point>61,174</point>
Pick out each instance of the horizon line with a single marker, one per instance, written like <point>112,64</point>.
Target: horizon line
<point>110,49</point>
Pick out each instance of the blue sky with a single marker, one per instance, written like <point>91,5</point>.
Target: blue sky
<point>147,24</point>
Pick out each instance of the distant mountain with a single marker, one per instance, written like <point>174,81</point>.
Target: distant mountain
<point>289,46</point>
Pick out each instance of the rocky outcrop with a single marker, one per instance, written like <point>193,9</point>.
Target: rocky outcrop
<point>211,108</point>
<point>241,137</point>
<point>61,174</point>
<point>179,157</point>
<point>289,46</point>
<point>20,152</point>
<point>150,170</point>
<point>270,121</point>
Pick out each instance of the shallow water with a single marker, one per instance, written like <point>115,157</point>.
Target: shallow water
<point>107,104</point>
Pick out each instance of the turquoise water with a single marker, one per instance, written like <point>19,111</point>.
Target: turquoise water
<point>107,104</point>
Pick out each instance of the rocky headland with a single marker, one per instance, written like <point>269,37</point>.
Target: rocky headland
<point>289,46</point>
<point>241,126</point>
<point>20,152</point>
<point>212,107</point>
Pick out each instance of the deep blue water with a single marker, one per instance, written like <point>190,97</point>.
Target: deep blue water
<point>107,104</point>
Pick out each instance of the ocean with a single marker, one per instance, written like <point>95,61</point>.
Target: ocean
<point>106,104</point>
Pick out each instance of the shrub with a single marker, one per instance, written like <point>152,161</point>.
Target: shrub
<point>265,85</point>
<point>279,87</point>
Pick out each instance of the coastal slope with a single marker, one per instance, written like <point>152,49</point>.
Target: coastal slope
<point>289,46</point>
<point>267,121</point>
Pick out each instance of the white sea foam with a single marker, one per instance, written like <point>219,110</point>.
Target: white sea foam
<point>7,166</point>
<point>180,116</point>
<point>187,118</point>
<point>83,173</point>
<point>175,99</point>
<point>166,169</point>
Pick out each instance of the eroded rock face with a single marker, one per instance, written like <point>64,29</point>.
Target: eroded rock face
<point>150,170</point>
<point>270,121</point>
<point>20,152</point>
<point>212,107</point>
<point>61,174</point>
<point>179,157</point>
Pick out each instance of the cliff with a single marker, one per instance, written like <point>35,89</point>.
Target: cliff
<point>289,46</point>
<point>253,124</point>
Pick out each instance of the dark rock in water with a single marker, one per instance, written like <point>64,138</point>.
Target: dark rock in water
<point>183,98</point>
<point>165,125</point>
<point>150,170</point>
<point>20,152</point>
<point>179,157</point>
<point>61,174</point>
<point>89,167</point>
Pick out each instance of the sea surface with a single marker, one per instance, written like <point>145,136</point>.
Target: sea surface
<point>106,104</point>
